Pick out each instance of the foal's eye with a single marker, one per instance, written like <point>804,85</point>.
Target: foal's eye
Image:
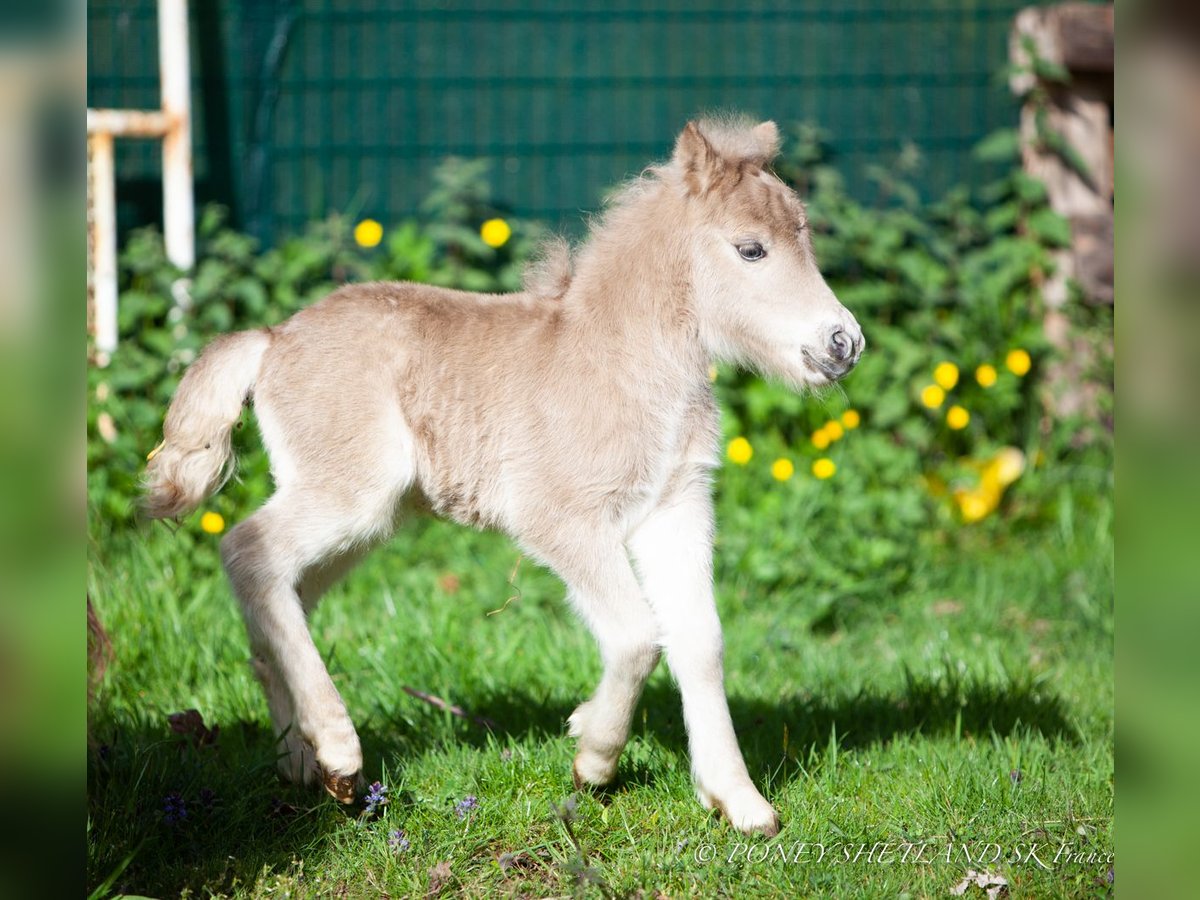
<point>751,252</point>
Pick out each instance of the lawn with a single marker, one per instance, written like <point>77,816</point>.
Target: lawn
<point>955,715</point>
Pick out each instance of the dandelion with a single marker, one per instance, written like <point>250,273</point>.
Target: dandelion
<point>465,805</point>
<point>946,375</point>
<point>212,523</point>
<point>933,396</point>
<point>368,233</point>
<point>835,430</point>
<point>173,808</point>
<point>376,797</point>
<point>782,469</point>
<point>739,451</point>
<point>851,419</point>
<point>986,375</point>
<point>974,505</point>
<point>821,439</point>
<point>495,232</point>
<point>398,842</point>
<point>957,417</point>
<point>1006,466</point>
<point>824,468</point>
<point>999,472</point>
<point>712,373</point>
<point>1018,362</point>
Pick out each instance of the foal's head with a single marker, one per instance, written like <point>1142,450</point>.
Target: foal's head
<point>759,296</point>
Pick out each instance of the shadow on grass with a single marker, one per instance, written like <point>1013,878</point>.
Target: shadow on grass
<point>927,708</point>
<point>167,812</point>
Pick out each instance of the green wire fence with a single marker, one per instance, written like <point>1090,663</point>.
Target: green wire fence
<point>303,107</point>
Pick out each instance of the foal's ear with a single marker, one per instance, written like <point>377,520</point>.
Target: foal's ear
<point>698,162</point>
<point>766,136</point>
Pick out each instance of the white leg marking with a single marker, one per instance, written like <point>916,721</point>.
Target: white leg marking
<point>602,587</point>
<point>673,552</point>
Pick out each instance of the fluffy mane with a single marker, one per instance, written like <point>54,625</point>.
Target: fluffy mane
<point>714,149</point>
<point>548,273</point>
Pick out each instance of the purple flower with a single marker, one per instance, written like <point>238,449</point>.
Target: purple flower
<point>397,841</point>
<point>173,808</point>
<point>376,797</point>
<point>465,805</point>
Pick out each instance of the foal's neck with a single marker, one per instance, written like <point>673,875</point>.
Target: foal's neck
<point>632,291</point>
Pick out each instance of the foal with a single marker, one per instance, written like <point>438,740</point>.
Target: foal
<point>576,416</point>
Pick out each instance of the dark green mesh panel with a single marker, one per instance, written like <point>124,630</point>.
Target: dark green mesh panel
<point>307,106</point>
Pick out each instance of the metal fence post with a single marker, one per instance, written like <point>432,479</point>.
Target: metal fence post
<point>172,124</point>
<point>178,204</point>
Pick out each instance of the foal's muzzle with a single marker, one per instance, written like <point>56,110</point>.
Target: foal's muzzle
<point>843,351</point>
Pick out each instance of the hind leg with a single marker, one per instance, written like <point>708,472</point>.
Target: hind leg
<point>301,531</point>
<point>297,760</point>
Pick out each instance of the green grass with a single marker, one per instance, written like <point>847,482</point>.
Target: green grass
<point>967,703</point>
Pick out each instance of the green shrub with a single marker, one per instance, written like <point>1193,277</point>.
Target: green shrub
<point>947,289</point>
<point>953,281</point>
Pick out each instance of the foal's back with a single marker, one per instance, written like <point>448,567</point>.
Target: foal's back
<point>384,384</point>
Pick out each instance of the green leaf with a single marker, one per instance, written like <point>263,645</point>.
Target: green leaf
<point>1050,227</point>
<point>1029,189</point>
<point>1001,146</point>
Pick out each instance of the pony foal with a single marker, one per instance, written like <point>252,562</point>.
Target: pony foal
<point>577,416</point>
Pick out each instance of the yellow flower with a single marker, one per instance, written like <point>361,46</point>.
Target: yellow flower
<point>739,451</point>
<point>933,396</point>
<point>823,468</point>
<point>973,505</point>
<point>957,418</point>
<point>986,375</point>
<point>782,469</point>
<point>1006,466</point>
<point>368,233</point>
<point>495,232</point>
<point>712,373</point>
<point>851,419</point>
<point>946,375</point>
<point>821,439</point>
<point>1018,362</point>
<point>212,522</point>
<point>1000,471</point>
<point>834,429</point>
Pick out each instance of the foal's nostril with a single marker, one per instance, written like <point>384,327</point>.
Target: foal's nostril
<point>841,346</point>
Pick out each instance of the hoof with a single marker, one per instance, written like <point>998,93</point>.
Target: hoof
<point>767,826</point>
<point>593,770</point>
<point>746,811</point>
<point>342,788</point>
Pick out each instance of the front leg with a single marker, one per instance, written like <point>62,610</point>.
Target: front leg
<point>601,586</point>
<point>673,553</point>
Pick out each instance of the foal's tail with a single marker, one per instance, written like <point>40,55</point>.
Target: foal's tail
<point>194,459</point>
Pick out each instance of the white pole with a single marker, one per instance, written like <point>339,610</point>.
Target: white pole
<point>178,202</point>
<point>104,245</point>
